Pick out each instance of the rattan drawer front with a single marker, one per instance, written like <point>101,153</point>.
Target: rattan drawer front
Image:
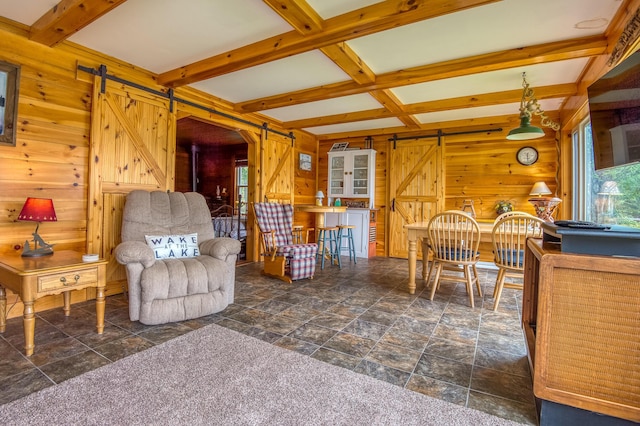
<point>67,280</point>
<point>593,337</point>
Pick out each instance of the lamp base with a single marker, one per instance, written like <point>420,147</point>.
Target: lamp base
<point>42,251</point>
<point>545,207</point>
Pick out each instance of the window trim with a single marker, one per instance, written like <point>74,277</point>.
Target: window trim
<point>580,196</point>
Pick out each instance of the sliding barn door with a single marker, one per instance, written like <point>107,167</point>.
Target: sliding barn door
<point>276,168</point>
<point>132,147</point>
<point>416,185</point>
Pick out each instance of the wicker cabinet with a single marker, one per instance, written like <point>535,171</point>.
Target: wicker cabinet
<point>581,319</point>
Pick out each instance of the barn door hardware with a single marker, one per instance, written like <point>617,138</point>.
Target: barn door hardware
<point>439,135</point>
<point>102,72</point>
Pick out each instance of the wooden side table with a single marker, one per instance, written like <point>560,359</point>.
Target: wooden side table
<point>33,277</point>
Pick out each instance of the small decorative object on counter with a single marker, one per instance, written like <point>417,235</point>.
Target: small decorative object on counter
<point>467,207</point>
<point>337,203</point>
<point>503,206</point>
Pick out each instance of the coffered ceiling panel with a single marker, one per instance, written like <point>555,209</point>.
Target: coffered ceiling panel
<point>160,35</point>
<point>340,67</point>
<point>285,75</point>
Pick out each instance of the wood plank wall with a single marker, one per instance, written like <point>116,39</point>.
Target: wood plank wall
<point>305,186</point>
<point>51,156</point>
<point>481,167</point>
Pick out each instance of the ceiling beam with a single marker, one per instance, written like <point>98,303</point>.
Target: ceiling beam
<point>495,98</point>
<point>393,105</point>
<point>457,125</point>
<point>298,14</point>
<point>470,101</point>
<point>344,57</point>
<point>304,19</point>
<point>358,23</point>
<point>68,17</point>
<point>512,58</point>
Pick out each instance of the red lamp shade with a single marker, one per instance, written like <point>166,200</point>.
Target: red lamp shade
<point>38,210</point>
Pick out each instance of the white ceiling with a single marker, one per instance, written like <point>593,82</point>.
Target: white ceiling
<point>162,35</point>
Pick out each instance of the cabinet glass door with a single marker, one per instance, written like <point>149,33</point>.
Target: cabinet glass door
<point>336,176</point>
<point>361,174</point>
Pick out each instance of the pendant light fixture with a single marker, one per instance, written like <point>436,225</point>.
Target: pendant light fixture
<point>530,106</point>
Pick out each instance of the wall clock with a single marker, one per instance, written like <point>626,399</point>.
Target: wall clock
<point>527,155</point>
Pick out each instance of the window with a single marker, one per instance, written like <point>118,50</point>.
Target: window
<point>610,196</point>
<point>242,187</point>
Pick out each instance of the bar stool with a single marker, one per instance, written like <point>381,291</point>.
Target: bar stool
<point>297,234</point>
<point>351,245</point>
<point>328,245</point>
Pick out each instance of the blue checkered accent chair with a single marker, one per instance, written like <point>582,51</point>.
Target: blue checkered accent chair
<point>282,258</point>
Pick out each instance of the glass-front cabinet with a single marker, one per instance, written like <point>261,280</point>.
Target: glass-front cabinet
<point>352,174</point>
<point>337,175</point>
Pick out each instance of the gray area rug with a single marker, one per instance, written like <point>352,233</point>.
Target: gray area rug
<point>216,376</point>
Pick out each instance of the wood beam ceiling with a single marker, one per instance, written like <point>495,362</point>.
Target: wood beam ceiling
<point>306,21</point>
<point>531,55</point>
<point>485,99</point>
<point>330,36</point>
<point>68,17</point>
<point>482,123</point>
<point>358,23</point>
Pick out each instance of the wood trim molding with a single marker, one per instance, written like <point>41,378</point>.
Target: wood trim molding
<point>628,39</point>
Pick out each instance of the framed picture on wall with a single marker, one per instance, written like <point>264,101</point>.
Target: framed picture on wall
<point>305,162</point>
<point>9,84</point>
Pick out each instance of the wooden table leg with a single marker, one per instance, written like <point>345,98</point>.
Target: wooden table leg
<point>29,323</point>
<point>413,256</point>
<point>100,310</point>
<point>320,224</point>
<point>66,296</point>
<point>3,309</point>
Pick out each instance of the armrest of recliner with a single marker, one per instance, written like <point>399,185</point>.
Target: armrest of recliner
<point>134,252</point>
<point>220,247</point>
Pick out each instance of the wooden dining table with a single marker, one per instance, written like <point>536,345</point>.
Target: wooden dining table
<point>418,231</point>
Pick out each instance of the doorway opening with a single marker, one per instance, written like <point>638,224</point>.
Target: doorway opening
<point>208,160</point>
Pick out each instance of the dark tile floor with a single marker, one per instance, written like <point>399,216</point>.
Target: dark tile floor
<point>360,317</point>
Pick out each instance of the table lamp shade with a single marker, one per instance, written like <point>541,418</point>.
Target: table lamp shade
<point>539,189</point>
<point>38,210</point>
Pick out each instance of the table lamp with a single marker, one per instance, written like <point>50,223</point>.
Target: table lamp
<point>319,198</point>
<point>544,206</point>
<point>37,210</point>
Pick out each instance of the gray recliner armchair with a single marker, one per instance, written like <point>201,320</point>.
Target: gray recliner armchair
<point>188,273</point>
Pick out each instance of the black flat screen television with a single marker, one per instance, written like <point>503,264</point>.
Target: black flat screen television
<point>614,108</point>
